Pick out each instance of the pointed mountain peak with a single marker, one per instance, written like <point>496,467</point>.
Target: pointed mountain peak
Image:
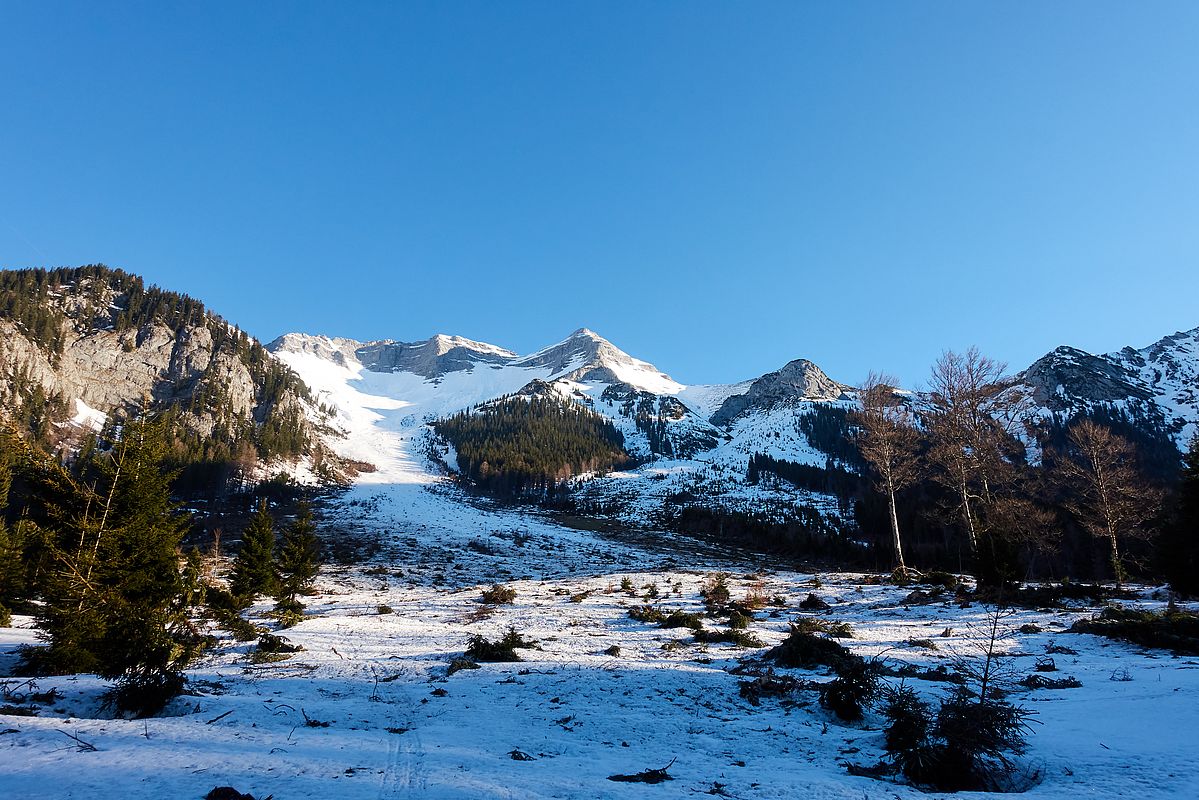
<point>797,380</point>
<point>587,357</point>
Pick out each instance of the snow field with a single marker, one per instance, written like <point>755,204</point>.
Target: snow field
<point>398,726</point>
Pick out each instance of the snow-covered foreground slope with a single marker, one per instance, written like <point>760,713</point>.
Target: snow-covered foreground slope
<point>367,710</point>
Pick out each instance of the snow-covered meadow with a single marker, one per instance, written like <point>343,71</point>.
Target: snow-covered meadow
<point>367,710</point>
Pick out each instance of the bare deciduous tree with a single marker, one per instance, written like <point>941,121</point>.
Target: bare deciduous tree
<point>1106,490</point>
<point>973,416</point>
<point>888,440</point>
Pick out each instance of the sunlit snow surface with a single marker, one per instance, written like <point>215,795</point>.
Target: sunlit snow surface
<point>398,727</point>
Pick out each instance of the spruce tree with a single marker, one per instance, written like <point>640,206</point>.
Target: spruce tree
<point>1180,550</point>
<point>298,562</point>
<point>112,595</point>
<point>254,566</point>
<point>12,571</point>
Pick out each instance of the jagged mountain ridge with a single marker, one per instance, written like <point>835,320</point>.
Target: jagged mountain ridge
<point>1159,382</point>
<point>86,351</point>
<point>584,356</point>
<point>696,441</point>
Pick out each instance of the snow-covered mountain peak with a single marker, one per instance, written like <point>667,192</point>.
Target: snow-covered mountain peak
<point>1161,380</point>
<point>587,357</point>
<point>443,343</point>
<point>798,380</point>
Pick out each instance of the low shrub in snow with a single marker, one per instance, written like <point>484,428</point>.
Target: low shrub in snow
<point>803,650</point>
<point>855,687</point>
<point>647,613</point>
<point>499,594</point>
<point>739,621</point>
<point>682,619</point>
<point>740,638</point>
<point>829,627</point>
<point>715,591</point>
<point>504,649</point>
<point>1170,630</point>
<point>813,603</point>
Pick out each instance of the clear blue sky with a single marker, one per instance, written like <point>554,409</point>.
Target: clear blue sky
<point>716,187</point>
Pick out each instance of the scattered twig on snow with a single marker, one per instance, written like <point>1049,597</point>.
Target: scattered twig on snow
<point>221,717</point>
<point>313,723</point>
<point>80,745</point>
<point>519,755</point>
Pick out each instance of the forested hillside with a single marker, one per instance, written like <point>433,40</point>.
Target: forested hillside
<point>520,445</point>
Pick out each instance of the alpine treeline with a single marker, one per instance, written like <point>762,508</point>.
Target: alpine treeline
<point>531,445</point>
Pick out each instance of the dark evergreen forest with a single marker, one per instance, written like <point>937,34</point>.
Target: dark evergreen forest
<point>531,446</point>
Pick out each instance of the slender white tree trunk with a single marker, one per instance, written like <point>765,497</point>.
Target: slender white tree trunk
<point>969,515</point>
<point>903,567</point>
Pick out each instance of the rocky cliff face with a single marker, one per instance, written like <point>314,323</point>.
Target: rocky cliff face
<point>1066,377</point>
<point>799,380</point>
<point>93,338</point>
<point>432,358</point>
<point>1158,382</point>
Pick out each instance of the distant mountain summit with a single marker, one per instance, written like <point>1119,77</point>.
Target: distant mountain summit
<point>798,380</point>
<point>1160,381</point>
<point>587,357</point>
<point>584,357</point>
<point>431,358</point>
<point>79,347</point>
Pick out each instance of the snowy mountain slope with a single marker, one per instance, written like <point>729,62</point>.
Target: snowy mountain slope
<point>384,394</point>
<point>1160,381</point>
<point>690,440</point>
